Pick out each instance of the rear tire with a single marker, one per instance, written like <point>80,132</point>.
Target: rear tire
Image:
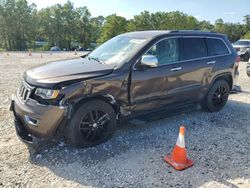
<point>217,96</point>
<point>93,123</point>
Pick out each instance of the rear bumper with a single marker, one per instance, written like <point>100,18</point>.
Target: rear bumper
<point>33,120</point>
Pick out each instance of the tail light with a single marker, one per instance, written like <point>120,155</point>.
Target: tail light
<point>237,59</point>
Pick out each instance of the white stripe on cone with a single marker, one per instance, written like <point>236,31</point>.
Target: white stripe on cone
<point>181,141</point>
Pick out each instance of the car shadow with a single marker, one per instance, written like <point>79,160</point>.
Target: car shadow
<point>133,157</point>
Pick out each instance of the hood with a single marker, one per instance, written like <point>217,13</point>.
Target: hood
<point>59,72</point>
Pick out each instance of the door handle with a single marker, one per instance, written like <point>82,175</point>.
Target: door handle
<point>176,69</point>
<point>211,62</point>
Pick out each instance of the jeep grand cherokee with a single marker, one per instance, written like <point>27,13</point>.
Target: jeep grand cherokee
<point>133,73</point>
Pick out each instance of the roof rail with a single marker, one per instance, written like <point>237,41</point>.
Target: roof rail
<point>194,30</point>
<point>174,31</point>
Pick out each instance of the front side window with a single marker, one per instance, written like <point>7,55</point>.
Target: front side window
<point>194,48</point>
<point>216,47</point>
<point>166,51</point>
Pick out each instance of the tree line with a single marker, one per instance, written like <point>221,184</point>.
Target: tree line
<point>66,26</point>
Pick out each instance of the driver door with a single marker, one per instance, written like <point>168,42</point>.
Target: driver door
<point>151,86</point>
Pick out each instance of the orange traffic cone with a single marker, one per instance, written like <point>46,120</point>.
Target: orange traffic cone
<point>178,159</point>
<point>30,53</point>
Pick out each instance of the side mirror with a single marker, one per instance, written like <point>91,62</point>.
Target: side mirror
<point>149,61</point>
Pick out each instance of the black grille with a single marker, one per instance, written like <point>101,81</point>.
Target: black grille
<point>25,91</point>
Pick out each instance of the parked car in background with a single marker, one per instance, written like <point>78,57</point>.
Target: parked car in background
<point>243,49</point>
<point>55,49</point>
<point>81,49</point>
<point>132,74</point>
<point>84,49</point>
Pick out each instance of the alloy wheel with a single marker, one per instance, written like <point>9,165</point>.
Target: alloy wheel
<point>220,96</point>
<point>94,125</point>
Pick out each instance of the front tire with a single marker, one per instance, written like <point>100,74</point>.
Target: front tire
<point>93,123</point>
<point>217,96</point>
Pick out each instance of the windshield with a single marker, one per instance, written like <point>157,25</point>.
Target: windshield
<point>241,42</point>
<point>118,50</point>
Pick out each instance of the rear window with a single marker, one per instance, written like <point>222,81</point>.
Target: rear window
<point>216,47</point>
<point>194,48</point>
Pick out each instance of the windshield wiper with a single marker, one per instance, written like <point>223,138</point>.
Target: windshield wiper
<point>96,59</point>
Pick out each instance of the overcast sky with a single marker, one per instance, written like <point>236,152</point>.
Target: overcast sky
<point>228,10</point>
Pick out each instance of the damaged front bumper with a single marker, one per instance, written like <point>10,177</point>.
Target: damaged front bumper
<point>35,121</point>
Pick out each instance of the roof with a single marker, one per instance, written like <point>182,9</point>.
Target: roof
<point>157,33</point>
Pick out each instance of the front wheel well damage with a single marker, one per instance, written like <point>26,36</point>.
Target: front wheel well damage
<point>107,98</point>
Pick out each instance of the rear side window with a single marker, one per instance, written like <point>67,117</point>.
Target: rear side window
<point>216,47</point>
<point>193,48</point>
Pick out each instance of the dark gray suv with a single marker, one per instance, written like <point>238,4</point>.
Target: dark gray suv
<point>132,74</point>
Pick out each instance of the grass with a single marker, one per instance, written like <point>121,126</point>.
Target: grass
<point>2,50</point>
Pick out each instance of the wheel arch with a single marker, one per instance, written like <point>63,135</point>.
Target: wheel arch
<point>107,98</point>
<point>226,76</point>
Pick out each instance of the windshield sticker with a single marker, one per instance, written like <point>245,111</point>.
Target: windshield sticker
<point>137,41</point>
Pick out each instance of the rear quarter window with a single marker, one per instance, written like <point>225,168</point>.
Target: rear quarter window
<point>216,47</point>
<point>193,48</point>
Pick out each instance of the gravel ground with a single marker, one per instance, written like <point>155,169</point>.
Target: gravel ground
<point>219,143</point>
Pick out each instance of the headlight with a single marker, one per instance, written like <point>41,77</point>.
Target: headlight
<point>47,93</point>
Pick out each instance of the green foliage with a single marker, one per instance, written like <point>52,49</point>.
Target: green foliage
<point>21,25</point>
<point>206,26</point>
<point>96,24</point>
<point>63,25</point>
<point>247,21</point>
<point>114,25</point>
<point>233,31</point>
<point>247,35</point>
<point>15,20</point>
<point>162,21</point>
